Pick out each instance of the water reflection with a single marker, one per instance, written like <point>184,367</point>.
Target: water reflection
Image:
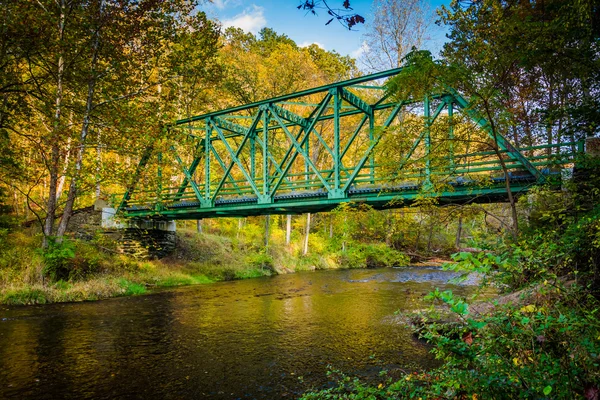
<point>260,338</point>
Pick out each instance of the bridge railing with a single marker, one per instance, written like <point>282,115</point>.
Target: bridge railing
<point>475,168</point>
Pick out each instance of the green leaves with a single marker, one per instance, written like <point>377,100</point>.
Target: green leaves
<point>457,305</point>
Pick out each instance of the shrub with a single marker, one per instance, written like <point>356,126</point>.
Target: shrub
<point>260,260</point>
<point>360,255</point>
<point>58,257</point>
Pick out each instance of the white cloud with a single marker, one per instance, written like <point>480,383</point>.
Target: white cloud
<point>364,47</point>
<point>221,4</point>
<point>307,43</point>
<point>251,20</point>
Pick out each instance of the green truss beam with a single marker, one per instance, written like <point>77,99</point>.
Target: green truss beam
<point>267,157</point>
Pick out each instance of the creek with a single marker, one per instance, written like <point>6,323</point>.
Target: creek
<point>264,338</point>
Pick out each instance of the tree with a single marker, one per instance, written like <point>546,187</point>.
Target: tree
<point>397,26</point>
<point>538,60</point>
<point>84,76</point>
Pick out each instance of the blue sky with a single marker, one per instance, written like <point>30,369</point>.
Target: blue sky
<point>303,28</point>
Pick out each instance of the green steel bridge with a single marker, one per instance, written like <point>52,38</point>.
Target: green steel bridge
<point>350,141</point>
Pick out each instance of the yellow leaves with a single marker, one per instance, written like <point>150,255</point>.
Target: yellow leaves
<point>516,361</point>
<point>529,309</point>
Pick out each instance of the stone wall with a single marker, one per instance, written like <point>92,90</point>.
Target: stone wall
<point>144,241</point>
<point>147,243</point>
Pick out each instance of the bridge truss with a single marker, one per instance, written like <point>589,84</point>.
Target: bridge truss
<point>348,141</point>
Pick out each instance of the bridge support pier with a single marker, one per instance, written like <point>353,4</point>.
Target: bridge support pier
<point>142,239</point>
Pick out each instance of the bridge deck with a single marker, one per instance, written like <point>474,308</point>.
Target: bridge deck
<point>378,197</point>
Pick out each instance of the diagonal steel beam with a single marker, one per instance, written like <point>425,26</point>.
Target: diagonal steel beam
<point>234,155</point>
<point>222,164</point>
<point>195,162</point>
<point>356,101</point>
<point>421,136</point>
<point>375,142</point>
<point>187,174</point>
<point>233,127</point>
<point>314,118</point>
<point>290,116</point>
<point>299,149</point>
<point>136,176</point>
<point>498,138</point>
<point>356,132</point>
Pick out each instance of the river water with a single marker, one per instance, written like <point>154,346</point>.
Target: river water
<point>263,338</point>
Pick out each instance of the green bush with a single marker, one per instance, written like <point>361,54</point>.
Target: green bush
<point>372,255</point>
<point>58,257</point>
<point>260,260</point>
<point>70,260</point>
<point>534,351</point>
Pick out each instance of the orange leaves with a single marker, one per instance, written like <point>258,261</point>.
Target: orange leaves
<point>468,338</point>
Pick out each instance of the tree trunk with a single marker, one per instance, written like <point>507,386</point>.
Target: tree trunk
<point>55,150</point>
<point>63,175</point>
<point>99,165</point>
<point>199,226</point>
<point>430,236</point>
<point>267,221</point>
<point>288,230</point>
<point>306,234</point>
<point>458,234</point>
<point>73,187</point>
<point>550,126</point>
<point>511,198</point>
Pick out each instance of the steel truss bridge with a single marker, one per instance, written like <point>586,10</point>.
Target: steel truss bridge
<point>350,141</point>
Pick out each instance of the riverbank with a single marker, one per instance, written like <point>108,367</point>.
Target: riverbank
<point>94,270</point>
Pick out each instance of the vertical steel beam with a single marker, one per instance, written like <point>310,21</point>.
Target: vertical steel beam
<point>159,176</point>
<point>306,167</point>
<point>371,139</point>
<point>336,192</point>
<point>427,115</point>
<point>450,104</point>
<point>266,197</point>
<point>253,156</point>
<point>207,146</point>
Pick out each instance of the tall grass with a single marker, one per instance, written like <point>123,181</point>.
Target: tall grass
<point>92,270</point>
